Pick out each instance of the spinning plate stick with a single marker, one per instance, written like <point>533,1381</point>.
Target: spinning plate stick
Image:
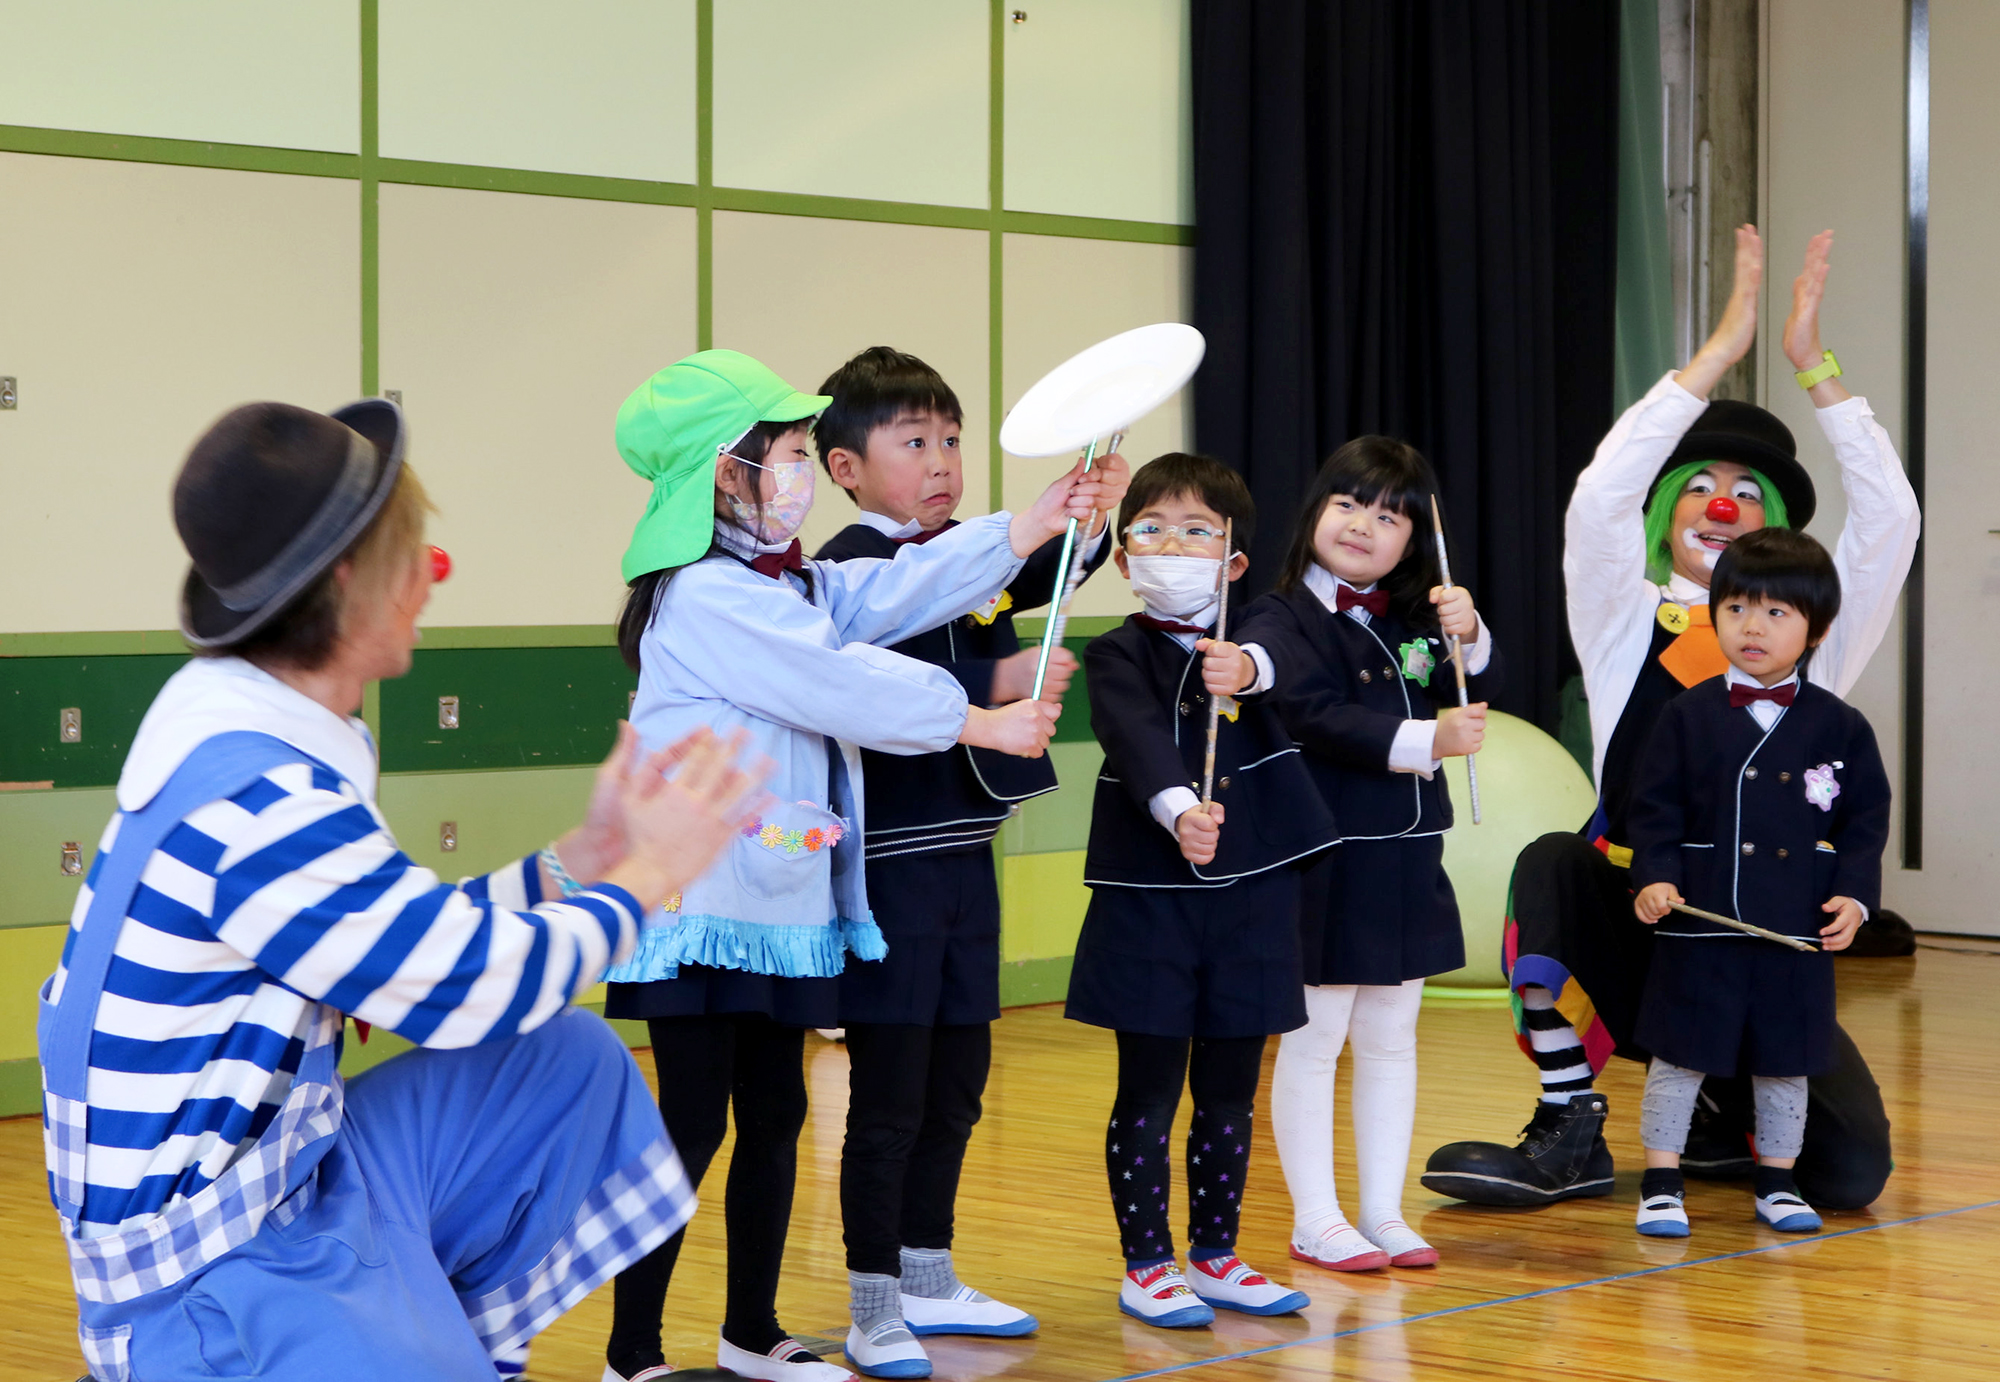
<point>1457,653</point>
<point>1221,634</point>
<point>1097,393</point>
<point>1746,928</point>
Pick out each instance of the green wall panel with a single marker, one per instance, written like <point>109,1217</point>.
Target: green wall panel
<point>34,826</point>
<point>518,708</point>
<point>500,816</point>
<point>112,693</point>
<point>1060,820</point>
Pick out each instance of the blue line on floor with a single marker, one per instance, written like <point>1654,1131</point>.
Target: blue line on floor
<point>1546,1291</point>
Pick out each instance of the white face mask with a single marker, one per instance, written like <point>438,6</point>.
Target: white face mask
<point>1180,587</point>
<point>784,513</point>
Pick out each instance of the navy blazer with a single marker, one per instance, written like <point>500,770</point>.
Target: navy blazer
<point>1760,826</point>
<point>937,802</point>
<point>1343,696</point>
<point>1149,711</point>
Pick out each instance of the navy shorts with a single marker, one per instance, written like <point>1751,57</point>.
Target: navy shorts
<point>940,914</point>
<point>1192,962</point>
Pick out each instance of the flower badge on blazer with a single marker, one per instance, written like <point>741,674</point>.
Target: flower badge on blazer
<point>1821,789</point>
<point>1418,664</point>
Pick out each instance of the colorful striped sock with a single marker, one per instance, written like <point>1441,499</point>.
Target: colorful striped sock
<point>1558,1049</point>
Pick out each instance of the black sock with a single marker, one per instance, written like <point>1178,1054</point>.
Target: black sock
<point>1773,1180</point>
<point>1662,1180</point>
<point>1139,1164</point>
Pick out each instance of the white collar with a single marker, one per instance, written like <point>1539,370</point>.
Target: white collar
<point>213,695</point>
<point>1736,676</point>
<point>889,527</point>
<point>1683,591</point>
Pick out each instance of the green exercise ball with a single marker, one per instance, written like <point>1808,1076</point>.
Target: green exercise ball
<point>1528,786</point>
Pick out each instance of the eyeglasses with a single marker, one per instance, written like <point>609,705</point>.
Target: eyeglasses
<point>1146,535</point>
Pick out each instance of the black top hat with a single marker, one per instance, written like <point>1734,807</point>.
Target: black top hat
<point>1731,430</point>
<point>268,499</point>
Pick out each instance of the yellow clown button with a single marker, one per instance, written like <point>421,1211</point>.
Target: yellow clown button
<point>1673,617</point>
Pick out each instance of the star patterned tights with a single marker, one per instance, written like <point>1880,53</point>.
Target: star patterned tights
<point>1221,1074</point>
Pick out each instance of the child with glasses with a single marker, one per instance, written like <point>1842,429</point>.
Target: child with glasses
<point>1189,950</point>
<point>1356,632</point>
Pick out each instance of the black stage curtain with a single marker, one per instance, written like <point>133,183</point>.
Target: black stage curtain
<point>1407,213</point>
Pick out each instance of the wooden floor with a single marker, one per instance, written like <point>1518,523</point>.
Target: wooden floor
<point>1908,1289</point>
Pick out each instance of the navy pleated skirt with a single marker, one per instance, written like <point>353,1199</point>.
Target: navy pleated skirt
<point>1379,912</point>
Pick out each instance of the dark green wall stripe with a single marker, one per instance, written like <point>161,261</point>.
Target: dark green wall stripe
<point>187,153</point>
<point>474,177</point>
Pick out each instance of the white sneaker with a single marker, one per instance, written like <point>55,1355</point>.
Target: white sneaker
<point>788,1362</point>
<point>1160,1295</point>
<point>1343,1250</point>
<point>887,1350</point>
<point>1787,1213</point>
<point>654,1374</point>
<point>965,1312</point>
<point>1663,1216</point>
<point>1401,1242</point>
<point>1225,1282</point>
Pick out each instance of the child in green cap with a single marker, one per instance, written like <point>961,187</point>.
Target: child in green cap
<point>729,626</point>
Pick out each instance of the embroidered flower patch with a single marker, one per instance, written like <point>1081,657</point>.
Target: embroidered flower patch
<point>1821,788</point>
<point>776,838</point>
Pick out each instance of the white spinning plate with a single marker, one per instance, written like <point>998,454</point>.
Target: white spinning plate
<point>1102,390</point>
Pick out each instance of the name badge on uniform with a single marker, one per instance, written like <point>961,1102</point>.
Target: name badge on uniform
<point>1418,664</point>
<point>1673,618</point>
<point>1228,707</point>
<point>1821,788</point>
<point>993,608</point>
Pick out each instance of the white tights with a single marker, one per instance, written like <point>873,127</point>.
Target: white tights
<point>1380,1024</point>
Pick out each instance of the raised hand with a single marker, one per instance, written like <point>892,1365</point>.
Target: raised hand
<point>1801,341</point>
<point>1456,616</point>
<point>1737,331</point>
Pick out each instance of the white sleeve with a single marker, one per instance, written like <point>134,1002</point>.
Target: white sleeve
<point>1479,652</point>
<point>1168,805</point>
<point>1875,548</point>
<point>1266,676</point>
<point>1413,749</point>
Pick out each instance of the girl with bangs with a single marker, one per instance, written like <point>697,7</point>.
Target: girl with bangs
<point>1358,633</point>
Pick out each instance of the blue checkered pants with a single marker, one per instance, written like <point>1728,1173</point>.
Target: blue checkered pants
<point>470,1197</point>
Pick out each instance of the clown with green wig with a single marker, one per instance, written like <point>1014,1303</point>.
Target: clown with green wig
<point>1674,483</point>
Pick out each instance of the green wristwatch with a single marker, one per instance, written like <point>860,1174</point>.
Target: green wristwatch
<point>1827,368</point>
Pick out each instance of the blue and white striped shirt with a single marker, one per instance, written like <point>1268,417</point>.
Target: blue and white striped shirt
<point>260,913</point>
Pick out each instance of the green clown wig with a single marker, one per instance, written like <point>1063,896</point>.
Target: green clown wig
<point>1660,513</point>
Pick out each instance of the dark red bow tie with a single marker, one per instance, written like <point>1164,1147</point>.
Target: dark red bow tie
<point>919,538</point>
<point>1376,602</point>
<point>771,563</point>
<point>1741,695</point>
<point>1167,625</point>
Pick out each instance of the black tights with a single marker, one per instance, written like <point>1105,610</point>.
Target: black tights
<point>912,1100</point>
<point>704,1065</point>
<point>1222,1077</point>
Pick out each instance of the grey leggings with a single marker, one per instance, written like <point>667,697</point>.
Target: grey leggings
<point>1668,1109</point>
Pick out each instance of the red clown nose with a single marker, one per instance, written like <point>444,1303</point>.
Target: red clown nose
<point>441,560</point>
<point>1720,510</point>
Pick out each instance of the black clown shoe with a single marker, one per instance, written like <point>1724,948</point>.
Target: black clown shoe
<point>1561,1156</point>
<point>1718,1141</point>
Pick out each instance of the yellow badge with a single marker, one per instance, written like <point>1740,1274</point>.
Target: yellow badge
<point>1673,617</point>
<point>994,608</point>
<point>1229,708</point>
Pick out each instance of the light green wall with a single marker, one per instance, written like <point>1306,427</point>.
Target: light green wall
<point>235,71</point>
<point>604,87</point>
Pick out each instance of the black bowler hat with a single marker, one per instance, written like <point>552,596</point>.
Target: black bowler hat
<point>268,499</point>
<point>1731,430</point>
